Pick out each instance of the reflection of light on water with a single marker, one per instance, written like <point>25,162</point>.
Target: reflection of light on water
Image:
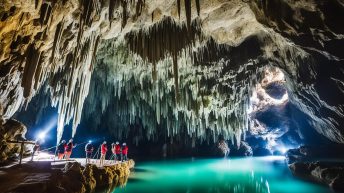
<point>254,185</point>
<point>251,181</point>
<point>245,164</point>
<point>271,158</point>
<point>259,185</point>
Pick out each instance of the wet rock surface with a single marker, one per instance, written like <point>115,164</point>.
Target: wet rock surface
<point>323,164</point>
<point>201,79</point>
<point>12,130</point>
<point>310,153</point>
<point>329,173</point>
<point>42,177</point>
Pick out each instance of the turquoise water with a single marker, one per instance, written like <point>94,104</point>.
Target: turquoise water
<point>249,175</point>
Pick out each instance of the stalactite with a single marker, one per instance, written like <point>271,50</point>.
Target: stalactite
<point>165,38</point>
<point>206,102</point>
<point>38,72</point>
<point>139,7</point>
<point>188,13</point>
<point>152,16</point>
<point>209,81</point>
<point>112,4</point>
<point>32,59</point>
<point>178,8</point>
<point>57,38</point>
<point>88,9</point>
<point>124,13</point>
<point>198,7</point>
<point>45,13</point>
<point>176,77</point>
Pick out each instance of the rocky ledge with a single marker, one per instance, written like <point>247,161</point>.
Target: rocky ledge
<point>330,173</point>
<point>304,162</point>
<point>71,177</point>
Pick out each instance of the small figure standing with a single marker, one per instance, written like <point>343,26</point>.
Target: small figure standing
<point>89,150</point>
<point>124,152</point>
<point>103,153</point>
<point>61,149</point>
<point>69,148</point>
<point>35,149</point>
<point>117,151</point>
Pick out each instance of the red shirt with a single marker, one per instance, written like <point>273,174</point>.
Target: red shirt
<point>117,149</point>
<point>68,147</point>
<point>125,150</point>
<point>104,149</point>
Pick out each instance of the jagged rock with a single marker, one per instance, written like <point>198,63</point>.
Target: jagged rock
<point>88,173</point>
<point>72,178</point>
<point>161,66</point>
<point>12,130</point>
<point>330,173</point>
<point>243,150</point>
<point>309,153</point>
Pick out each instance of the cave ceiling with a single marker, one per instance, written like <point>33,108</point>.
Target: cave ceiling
<point>188,66</point>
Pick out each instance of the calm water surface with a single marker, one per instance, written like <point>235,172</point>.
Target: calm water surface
<point>249,175</point>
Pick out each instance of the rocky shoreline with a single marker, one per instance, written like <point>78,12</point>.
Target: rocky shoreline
<point>323,165</point>
<point>71,177</point>
<point>329,173</point>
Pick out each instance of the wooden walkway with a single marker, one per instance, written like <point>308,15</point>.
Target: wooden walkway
<point>45,157</point>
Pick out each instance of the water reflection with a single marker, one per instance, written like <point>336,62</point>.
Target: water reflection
<point>121,183</point>
<point>250,184</point>
<point>251,175</point>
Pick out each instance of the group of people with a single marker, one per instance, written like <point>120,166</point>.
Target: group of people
<point>64,149</point>
<point>119,153</point>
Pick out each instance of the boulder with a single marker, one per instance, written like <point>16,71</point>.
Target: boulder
<point>330,173</point>
<point>11,130</point>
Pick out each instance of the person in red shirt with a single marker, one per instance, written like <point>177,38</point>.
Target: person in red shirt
<point>124,152</point>
<point>117,151</point>
<point>61,149</point>
<point>103,151</point>
<point>68,149</point>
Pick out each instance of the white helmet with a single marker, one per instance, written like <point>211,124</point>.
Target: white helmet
<point>124,144</point>
<point>104,142</point>
<point>117,142</point>
<point>63,141</point>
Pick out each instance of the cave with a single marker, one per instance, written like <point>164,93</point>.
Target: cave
<point>158,96</point>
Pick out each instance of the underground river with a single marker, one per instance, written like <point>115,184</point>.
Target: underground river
<point>250,175</point>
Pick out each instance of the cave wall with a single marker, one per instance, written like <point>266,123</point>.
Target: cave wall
<point>175,65</point>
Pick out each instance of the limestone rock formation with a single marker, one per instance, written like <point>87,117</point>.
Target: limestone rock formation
<point>42,177</point>
<point>324,172</point>
<point>12,130</point>
<point>310,153</point>
<point>169,68</point>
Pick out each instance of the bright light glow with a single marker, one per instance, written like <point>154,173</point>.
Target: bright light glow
<point>41,135</point>
<point>283,150</point>
<point>89,141</point>
<point>47,127</point>
<point>259,98</point>
<point>272,158</point>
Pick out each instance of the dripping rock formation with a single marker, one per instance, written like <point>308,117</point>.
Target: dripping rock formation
<point>186,69</point>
